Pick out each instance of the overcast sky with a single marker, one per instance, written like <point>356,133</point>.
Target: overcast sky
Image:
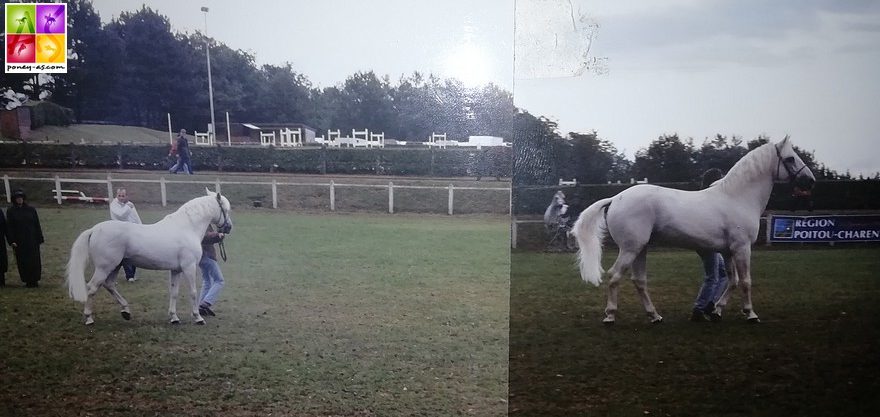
<point>807,68</point>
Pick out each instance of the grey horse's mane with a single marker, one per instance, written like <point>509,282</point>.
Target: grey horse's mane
<point>751,166</point>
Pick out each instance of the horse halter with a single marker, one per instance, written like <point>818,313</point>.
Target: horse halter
<point>792,174</point>
<point>225,227</point>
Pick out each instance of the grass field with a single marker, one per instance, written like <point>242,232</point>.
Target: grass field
<point>816,353</point>
<point>348,315</point>
<point>90,133</point>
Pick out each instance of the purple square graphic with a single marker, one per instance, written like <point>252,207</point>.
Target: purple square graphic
<point>51,18</point>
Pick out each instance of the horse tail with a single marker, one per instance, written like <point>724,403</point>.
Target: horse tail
<point>76,267</point>
<point>589,231</point>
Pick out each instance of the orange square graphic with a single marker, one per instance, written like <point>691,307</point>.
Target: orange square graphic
<point>51,49</point>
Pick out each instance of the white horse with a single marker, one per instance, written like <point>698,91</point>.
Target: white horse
<point>723,218</point>
<point>172,244</point>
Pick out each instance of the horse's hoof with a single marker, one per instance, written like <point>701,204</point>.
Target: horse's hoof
<point>754,320</point>
<point>608,321</point>
<point>89,321</point>
<point>175,321</point>
<point>714,317</point>
<point>126,315</point>
<point>657,320</point>
<point>200,322</point>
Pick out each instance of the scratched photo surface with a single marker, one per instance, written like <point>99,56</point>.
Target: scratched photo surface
<point>616,98</point>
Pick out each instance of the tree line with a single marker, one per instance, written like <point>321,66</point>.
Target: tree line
<point>543,156</point>
<point>134,70</point>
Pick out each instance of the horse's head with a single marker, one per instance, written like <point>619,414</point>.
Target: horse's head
<point>792,169</point>
<point>224,219</point>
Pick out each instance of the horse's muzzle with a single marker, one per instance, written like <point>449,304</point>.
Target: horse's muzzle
<point>803,185</point>
<point>225,228</point>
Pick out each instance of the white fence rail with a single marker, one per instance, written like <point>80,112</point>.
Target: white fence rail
<point>217,183</point>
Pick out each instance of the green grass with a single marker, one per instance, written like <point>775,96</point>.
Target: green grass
<point>816,353</point>
<point>97,134</point>
<point>322,315</point>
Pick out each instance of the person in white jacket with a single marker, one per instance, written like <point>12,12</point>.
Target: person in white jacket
<point>123,210</point>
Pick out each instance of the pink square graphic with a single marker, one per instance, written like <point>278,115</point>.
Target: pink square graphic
<point>21,48</point>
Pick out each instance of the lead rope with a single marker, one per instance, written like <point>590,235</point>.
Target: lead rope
<point>222,251</point>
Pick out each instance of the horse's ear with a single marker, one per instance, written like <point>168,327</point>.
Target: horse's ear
<point>208,192</point>
<point>785,140</point>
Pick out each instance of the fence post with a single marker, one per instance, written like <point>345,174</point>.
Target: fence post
<point>390,197</point>
<point>767,232</point>
<point>513,234</point>
<point>217,185</point>
<point>274,193</point>
<point>58,189</point>
<point>510,200</point>
<point>332,196</point>
<point>450,198</point>
<point>162,187</point>
<point>110,194</point>
<point>8,191</point>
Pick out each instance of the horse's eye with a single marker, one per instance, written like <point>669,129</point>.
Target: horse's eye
<point>789,160</point>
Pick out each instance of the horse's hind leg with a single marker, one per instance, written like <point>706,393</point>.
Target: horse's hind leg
<point>621,266</point>
<point>640,280</point>
<point>98,279</point>
<point>110,285</point>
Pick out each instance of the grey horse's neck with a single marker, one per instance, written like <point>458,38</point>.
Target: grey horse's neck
<point>751,178</point>
<point>198,211</point>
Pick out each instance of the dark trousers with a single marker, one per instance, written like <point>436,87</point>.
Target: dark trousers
<point>128,268</point>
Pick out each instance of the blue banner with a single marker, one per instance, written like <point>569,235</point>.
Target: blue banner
<point>825,229</point>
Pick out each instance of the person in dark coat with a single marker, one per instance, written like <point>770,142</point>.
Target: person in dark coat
<point>24,234</point>
<point>4,261</point>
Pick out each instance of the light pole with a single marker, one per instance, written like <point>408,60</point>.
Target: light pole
<point>212,132</point>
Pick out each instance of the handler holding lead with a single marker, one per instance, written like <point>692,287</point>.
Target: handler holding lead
<point>123,210</point>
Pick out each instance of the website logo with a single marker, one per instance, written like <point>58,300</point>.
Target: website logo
<point>36,38</point>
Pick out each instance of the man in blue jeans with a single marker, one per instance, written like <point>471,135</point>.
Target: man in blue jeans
<point>212,278</point>
<point>714,270</point>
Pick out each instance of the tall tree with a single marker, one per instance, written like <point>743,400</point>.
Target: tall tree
<point>534,142</point>
<point>158,73</point>
<point>666,159</point>
<point>91,86</point>
<point>719,152</point>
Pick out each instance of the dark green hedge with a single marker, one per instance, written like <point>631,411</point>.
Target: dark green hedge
<point>417,162</point>
<point>48,113</point>
<point>827,195</point>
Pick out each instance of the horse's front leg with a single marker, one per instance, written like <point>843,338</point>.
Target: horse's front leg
<point>742,260</point>
<point>193,295</point>
<point>732,280</point>
<point>640,280</point>
<point>173,287</point>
